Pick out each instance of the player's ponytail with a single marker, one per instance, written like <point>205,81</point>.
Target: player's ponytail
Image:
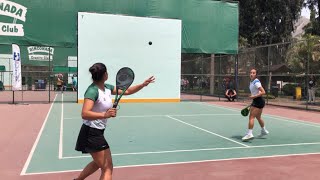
<point>97,71</point>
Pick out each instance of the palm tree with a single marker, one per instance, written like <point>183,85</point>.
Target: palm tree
<point>304,56</point>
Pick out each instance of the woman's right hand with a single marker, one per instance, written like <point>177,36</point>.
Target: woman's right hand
<point>112,112</point>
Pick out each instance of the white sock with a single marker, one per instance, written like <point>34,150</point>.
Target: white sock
<point>249,131</point>
<point>264,128</point>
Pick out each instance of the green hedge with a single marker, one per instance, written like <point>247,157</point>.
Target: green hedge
<point>289,89</point>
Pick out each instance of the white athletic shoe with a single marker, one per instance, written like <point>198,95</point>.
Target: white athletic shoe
<point>263,133</point>
<point>247,137</point>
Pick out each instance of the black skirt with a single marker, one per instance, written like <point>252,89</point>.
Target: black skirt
<point>258,102</point>
<point>91,140</point>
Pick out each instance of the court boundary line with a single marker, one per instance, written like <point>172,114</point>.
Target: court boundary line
<point>161,115</point>
<point>35,144</point>
<point>207,131</point>
<point>60,155</point>
<point>281,118</point>
<point>184,162</point>
<point>199,150</point>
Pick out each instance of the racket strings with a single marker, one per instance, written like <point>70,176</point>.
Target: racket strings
<point>124,79</point>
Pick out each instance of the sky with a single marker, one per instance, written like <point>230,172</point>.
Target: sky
<point>305,12</point>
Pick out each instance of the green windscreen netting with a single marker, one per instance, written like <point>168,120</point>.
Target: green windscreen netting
<point>2,68</point>
<point>208,26</point>
<point>62,69</point>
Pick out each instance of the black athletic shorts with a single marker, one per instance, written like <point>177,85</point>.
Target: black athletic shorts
<point>91,140</point>
<point>258,102</point>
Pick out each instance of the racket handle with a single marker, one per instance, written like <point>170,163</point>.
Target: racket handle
<point>117,100</point>
<point>115,105</point>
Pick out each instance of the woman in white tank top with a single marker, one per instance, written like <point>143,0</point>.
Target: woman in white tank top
<point>257,106</point>
<point>96,110</point>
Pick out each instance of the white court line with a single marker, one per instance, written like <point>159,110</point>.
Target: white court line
<point>24,169</point>
<point>61,132</point>
<point>135,116</point>
<point>198,150</point>
<point>296,121</point>
<point>186,162</point>
<point>207,131</point>
<point>160,152</point>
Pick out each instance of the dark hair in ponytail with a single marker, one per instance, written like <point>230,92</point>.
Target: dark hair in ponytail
<point>97,71</point>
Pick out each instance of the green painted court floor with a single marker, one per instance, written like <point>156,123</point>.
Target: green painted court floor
<point>161,133</point>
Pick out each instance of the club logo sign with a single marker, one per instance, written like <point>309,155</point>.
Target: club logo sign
<point>39,53</point>
<point>16,11</point>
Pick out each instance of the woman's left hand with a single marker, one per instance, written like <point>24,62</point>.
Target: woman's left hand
<point>251,97</point>
<point>148,81</point>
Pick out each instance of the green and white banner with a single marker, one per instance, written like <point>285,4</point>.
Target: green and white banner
<point>15,11</point>
<point>16,68</point>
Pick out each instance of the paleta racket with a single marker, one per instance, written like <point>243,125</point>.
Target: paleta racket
<point>124,79</point>
<point>245,111</point>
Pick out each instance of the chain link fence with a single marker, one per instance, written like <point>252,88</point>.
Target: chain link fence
<point>40,68</point>
<point>285,70</point>
<point>289,72</point>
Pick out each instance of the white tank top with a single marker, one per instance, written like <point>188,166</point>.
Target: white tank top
<point>254,87</point>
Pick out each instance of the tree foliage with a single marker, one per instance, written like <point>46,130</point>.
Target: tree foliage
<point>304,55</point>
<point>314,26</point>
<point>268,21</point>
